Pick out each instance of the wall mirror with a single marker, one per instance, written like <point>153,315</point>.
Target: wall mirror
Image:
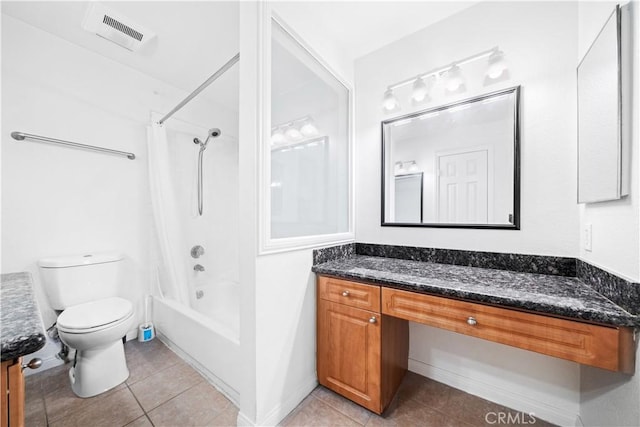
<point>454,166</point>
<point>602,146</point>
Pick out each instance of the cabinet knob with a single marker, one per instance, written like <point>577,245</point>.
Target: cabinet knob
<point>34,363</point>
<point>472,321</point>
<point>373,319</point>
<point>345,293</point>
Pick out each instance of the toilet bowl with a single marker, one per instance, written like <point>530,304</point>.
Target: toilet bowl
<point>95,330</point>
<point>93,319</point>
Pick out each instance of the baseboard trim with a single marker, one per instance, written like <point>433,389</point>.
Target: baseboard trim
<point>278,413</point>
<point>244,421</point>
<point>498,395</point>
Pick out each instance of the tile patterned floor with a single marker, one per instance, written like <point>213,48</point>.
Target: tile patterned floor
<point>162,390</point>
<point>419,402</point>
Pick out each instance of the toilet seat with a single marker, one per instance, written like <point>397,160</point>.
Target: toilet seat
<point>95,315</point>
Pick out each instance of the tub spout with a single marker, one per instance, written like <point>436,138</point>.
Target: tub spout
<point>198,267</point>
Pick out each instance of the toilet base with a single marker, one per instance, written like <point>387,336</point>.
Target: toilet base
<point>98,370</point>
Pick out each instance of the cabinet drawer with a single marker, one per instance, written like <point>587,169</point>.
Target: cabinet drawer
<point>349,293</point>
<point>601,346</point>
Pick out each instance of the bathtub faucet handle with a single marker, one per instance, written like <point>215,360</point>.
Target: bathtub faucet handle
<point>197,251</point>
<point>198,267</point>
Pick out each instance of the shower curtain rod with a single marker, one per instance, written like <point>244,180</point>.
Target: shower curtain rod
<point>202,87</point>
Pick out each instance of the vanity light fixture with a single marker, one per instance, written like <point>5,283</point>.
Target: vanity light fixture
<point>293,131</point>
<point>277,136</point>
<point>454,79</point>
<point>420,91</point>
<point>308,129</point>
<point>406,167</point>
<point>497,64</point>
<point>293,134</point>
<point>451,74</point>
<point>390,102</point>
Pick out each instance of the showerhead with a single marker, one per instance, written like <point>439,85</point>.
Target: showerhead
<point>213,133</point>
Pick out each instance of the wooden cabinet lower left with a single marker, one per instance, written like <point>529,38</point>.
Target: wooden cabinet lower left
<point>362,354</point>
<point>12,393</point>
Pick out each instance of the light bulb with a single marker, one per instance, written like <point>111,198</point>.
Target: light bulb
<point>277,137</point>
<point>390,102</point>
<point>413,167</point>
<point>420,90</point>
<point>293,134</point>
<point>454,79</point>
<point>497,64</point>
<point>308,129</point>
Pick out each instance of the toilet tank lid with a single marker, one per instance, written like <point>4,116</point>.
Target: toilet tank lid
<point>78,260</point>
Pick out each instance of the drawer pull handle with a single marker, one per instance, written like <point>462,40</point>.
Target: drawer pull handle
<point>373,319</point>
<point>34,363</point>
<point>472,321</point>
<point>345,293</point>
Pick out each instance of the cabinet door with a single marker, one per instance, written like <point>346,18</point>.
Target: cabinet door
<point>349,352</point>
<point>12,393</point>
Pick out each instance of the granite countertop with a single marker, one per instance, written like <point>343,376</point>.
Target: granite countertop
<point>22,330</point>
<point>547,294</point>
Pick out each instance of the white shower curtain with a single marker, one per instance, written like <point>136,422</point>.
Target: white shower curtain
<point>172,265</point>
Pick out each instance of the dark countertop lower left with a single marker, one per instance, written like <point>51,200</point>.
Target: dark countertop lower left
<point>22,329</point>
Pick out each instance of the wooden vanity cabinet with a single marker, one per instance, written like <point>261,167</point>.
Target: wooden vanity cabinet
<point>362,354</point>
<point>12,393</point>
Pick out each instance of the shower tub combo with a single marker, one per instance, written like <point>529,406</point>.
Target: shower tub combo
<point>194,196</point>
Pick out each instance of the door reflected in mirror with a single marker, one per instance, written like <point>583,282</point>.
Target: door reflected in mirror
<point>454,166</point>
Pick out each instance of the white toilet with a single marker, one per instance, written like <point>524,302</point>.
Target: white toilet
<point>94,319</point>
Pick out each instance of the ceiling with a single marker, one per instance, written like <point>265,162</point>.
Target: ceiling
<point>196,38</point>
<point>360,27</point>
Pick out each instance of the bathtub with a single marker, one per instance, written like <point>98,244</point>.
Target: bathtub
<point>210,343</point>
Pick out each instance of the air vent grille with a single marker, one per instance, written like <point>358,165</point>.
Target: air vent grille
<point>122,28</point>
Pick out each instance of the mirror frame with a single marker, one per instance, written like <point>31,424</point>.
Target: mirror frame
<point>515,90</point>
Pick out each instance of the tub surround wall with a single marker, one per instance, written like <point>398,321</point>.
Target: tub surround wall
<point>22,331</point>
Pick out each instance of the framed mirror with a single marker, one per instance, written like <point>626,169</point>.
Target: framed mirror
<point>602,145</point>
<point>454,166</point>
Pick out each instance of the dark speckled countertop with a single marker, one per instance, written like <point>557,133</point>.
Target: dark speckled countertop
<point>547,294</point>
<point>22,330</point>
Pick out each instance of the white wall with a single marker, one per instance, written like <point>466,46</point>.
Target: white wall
<point>547,76</point>
<point>278,290</point>
<point>59,201</point>
<point>613,399</point>
<point>525,31</point>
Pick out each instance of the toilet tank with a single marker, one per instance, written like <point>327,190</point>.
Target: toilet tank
<point>77,279</point>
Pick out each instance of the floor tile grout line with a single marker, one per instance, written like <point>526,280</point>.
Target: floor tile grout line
<point>138,402</point>
<point>155,372</point>
<point>172,397</point>
<point>95,400</point>
<point>343,413</point>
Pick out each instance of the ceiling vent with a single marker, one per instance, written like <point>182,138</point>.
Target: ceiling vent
<point>115,27</point>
